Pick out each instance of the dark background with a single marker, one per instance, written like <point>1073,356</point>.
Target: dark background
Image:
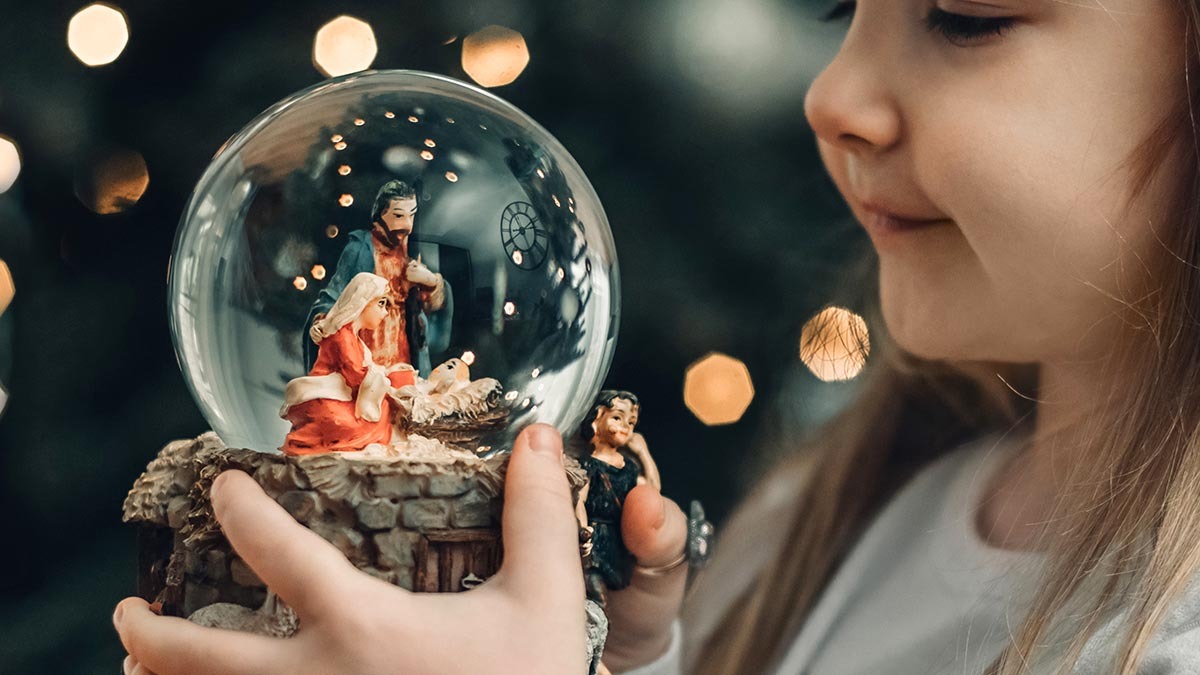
<point>687,115</point>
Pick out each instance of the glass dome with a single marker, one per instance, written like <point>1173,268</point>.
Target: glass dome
<point>503,214</point>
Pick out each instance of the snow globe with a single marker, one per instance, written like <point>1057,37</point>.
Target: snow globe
<point>375,285</point>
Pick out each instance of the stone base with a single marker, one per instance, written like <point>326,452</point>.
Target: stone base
<point>428,525</point>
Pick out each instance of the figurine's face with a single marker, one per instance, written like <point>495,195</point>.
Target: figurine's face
<point>372,315</point>
<point>454,370</point>
<point>398,216</point>
<point>1009,125</point>
<point>614,424</point>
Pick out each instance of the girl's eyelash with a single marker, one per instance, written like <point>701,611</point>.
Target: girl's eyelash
<point>959,29</point>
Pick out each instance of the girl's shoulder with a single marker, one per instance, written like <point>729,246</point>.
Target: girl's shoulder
<point>1174,648</point>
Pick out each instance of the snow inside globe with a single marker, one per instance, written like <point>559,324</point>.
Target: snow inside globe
<point>387,258</point>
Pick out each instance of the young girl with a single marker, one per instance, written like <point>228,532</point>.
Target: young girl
<point>1016,487</point>
<point>341,404</point>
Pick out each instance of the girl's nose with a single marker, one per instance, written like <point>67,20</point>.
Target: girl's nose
<point>850,104</point>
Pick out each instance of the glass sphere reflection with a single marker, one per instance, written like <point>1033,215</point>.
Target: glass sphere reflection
<point>504,214</point>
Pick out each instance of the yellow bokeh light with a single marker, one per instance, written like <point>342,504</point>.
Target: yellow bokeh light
<point>426,155</point>
<point>318,272</point>
<point>331,231</point>
<point>10,164</point>
<point>359,122</point>
<point>344,45</point>
<point>834,344</point>
<point>115,183</point>
<point>300,283</point>
<point>494,56</point>
<point>413,119</point>
<point>97,34</point>
<point>429,143</point>
<point>451,176</point>
<point>510,308</point>
<point>340,145</point>
<point>7,288</point>
<point>346,200</point>
<point>718,389</point>
<point>468,358</point>
<point>336,138</point>
<point>344,170</point>
<point>389,114</point>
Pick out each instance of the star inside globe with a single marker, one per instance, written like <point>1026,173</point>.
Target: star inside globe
<point>392,263</point>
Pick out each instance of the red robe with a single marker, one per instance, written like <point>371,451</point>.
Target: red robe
<point>329,425</point>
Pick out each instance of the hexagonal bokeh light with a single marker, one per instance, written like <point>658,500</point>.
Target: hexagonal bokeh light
<point>717,389</point>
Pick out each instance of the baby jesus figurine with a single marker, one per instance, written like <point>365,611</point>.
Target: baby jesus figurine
<point>342,404</point>
<point>617,460</point>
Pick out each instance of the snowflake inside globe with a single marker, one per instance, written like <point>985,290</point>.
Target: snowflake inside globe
<point>392,262</point>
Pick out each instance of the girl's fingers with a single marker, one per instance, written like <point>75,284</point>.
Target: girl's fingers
<point>541,536</point>
<point>139,669</point>
<point>654,527</point>
<point>655,532</point>
<point>169,645</point>
<point>298,564</point>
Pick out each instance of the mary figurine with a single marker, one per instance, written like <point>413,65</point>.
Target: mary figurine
<point>341,405</point>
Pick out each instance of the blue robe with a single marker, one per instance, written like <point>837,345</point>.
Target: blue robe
<point>359,256</point>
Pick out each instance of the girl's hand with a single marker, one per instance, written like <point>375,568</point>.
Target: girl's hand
<point>640,615</point>
<point>527,618</point>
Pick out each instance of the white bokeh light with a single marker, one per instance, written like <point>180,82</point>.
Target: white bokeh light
<point>10,164</point>
<point>97,34</point>
<point>344,45</point>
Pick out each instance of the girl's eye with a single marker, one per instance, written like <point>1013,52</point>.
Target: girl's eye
<point>959,29</point>
<point>962,30</point>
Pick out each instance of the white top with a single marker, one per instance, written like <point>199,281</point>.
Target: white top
<point>920,592</point>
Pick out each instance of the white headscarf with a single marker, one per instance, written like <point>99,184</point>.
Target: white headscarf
<point>361,290</point>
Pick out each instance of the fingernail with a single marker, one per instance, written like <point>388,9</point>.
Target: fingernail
<point>127,665</point>
<point>117,616</point>
<point>543,438</point>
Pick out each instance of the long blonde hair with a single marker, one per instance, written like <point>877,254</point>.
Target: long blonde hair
<point>1132,514</point>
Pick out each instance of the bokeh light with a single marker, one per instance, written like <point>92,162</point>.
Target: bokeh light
<point>7,288</point>
<point>114,182</point>
<point>10,163</point>
<point>344,45</point>
<point>834,344</point>
<point>718,389</point>
<point>494,56</point>
<point>97,34</point>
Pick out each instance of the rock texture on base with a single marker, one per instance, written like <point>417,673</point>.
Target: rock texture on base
<point>427,523</point>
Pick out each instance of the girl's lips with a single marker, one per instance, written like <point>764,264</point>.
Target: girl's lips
<point>882,223</point>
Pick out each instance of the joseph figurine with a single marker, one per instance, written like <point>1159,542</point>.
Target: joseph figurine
<point>421,302</point>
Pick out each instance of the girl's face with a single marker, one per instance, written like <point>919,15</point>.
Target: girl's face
<point>1007,122</point>
<point>372,315</point>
